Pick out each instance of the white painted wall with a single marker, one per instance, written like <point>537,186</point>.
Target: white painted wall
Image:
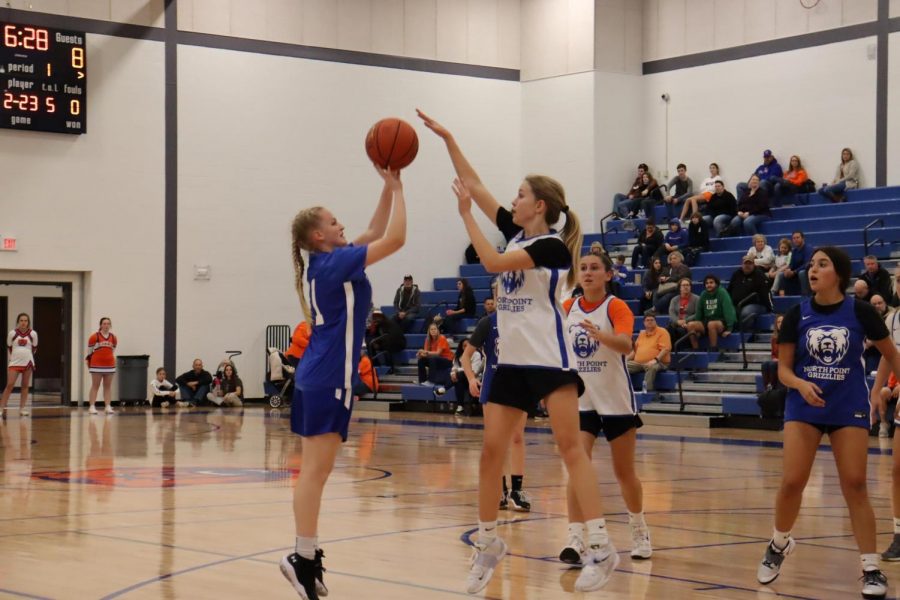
<point>20,298</point>
<point>893,133</point>
<point>289,135</point>
<point>720,113</point>
<point>135,12</point>
<point>557,38</point>
<point>677,27</point>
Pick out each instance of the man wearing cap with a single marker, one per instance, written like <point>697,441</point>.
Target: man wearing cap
<point>406,303</point>
<point>767,170</point>
<point>746,282</point>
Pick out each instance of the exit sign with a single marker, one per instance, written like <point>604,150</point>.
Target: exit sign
<point>9,244</point>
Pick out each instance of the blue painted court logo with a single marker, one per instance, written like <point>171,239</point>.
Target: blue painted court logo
<point>582,343</point>
<point>512,281</point>
<point>828,345</point>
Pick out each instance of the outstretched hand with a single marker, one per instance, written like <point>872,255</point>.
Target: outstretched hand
<point>433,125</point>
<point>463,197</point>
<point>391,178</point>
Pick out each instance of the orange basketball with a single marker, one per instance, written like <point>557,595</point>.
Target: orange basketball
<point>392,143</point>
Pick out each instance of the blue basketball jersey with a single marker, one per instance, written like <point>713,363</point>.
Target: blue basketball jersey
<point>339,296</point>
<point>829,353</point>
<point>491,350</point>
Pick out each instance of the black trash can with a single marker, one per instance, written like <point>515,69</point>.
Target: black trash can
<point>132,376</point>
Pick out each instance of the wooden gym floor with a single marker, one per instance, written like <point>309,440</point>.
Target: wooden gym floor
<point>197,504</point>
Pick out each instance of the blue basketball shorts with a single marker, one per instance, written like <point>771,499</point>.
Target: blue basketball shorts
<point>315,411</point>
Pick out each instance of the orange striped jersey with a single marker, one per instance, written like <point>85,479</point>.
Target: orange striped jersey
<point>101,352</point>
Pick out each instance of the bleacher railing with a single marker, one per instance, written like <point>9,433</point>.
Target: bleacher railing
<point>740,324</point>
<point>676,360</point>
<point>603,228</point>
<point>877,222</point>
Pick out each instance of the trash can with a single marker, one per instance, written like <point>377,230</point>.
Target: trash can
<point>132,376</point>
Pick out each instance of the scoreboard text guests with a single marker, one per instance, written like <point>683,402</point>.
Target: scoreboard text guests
<point>44,78</point>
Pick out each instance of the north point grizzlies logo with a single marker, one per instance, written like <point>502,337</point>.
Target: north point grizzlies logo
<point>512,281</point>
<point>582,343</point>
<point>828,345</point>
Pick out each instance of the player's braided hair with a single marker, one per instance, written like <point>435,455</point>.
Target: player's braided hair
<point>303,223</point>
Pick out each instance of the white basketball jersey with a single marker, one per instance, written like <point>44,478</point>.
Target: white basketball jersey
<point>606,380</point>
<point>529,315</point>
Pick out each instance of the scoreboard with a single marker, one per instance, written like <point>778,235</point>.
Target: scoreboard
<point>43,73</point>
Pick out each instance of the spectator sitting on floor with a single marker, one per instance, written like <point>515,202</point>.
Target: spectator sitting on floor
<point>862,290</point>
<point>679,189</point>
<point>676,238</point>
<point>749,284</point>
<point>620,208</point>
<point>698,239</point>
<point>720,209</point>
<point>162,391</point>
<point>651,353</point>
<point>299,342</point>
<point>649,241</point>
<point>435,359</point>
<point>876,276</point>
<point>194,385</point>
<point>383,339</point>
<point>671,274</point>
<point>776,272</point>
<point>762,253</point>
<point>368,378</point>
<point>845,178</point>
<point>647,199</point>
<point>230,390</point>
<point>681,308</point>
<point>465,306</point>
<point>458,375</point>
<point>766,172</point>
<point>895,297</point>
<point>801,255</point>
<point>769,368</point>
<point>707,189</point>
<point>792,182</point>
<point>649,284</point>
<point>406,303</point>
<point>752,209</point>
<point>715,314</point>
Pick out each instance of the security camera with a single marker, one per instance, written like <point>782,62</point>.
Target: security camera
<point>665,97</point>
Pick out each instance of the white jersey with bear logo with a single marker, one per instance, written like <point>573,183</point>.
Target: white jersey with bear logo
<point>606,380</point>
<point>528,309</point>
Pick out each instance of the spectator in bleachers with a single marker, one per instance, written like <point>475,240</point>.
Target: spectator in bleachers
<point>406,303</point>
<point>720,209</point>
<point>871,354</point>
<point>647,199</point>
<point>465,306</point>
<point>749,284</point>
<point>845,178</point>
<point>675,239</point>
<point>368,378</point>
<point>782,259</point>
<point>698,239</point>
<point>650,283</point>
<point>681,308</point>
<point>649,241</point>
<point>435,359</point>
<point>861,290</point>
<point>651,353</point>
<point>460,380</point>
<point>890,394</point>
<point>679,189</point>
<point>766,172</point>
<point>895,297</point>
<point>801,254</point>
<point>876,276</point>
<point>752,209</point>
<point>769,368</point>
<point>620,201</point>
<point>762,253</point>
<point>707,189</point>
<point>792,182</point>
<point>715,315</point>
<point>620,270</point>
<point>674,271</point>
<point>490,306</point>
<point>383,338</point>
<point>299,342</point>
<point>877,301</point>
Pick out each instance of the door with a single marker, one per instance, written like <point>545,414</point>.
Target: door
<point>48,322</point>
<point>4,329</point>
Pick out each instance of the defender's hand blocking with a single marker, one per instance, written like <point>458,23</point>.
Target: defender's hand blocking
<point>433,125</point>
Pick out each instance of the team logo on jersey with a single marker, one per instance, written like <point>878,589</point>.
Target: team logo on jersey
<point>512,281</point>
<point>582,343</point>
<point>828,345</point>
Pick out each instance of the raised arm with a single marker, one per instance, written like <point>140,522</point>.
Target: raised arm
<point>395,233</point>
<point>378,224</point>
<point>464,170</point>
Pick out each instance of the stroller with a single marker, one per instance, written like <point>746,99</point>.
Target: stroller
<point>279,378</point>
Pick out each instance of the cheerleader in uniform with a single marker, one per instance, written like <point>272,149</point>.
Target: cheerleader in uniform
<point>21,343</point>
<point>820,349</point>
<point>535,361</point>
<point>600,327</point>
<point>101,360</point>
<point>339,296</point>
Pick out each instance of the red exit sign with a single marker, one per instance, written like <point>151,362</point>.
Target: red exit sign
<point>9,244</point>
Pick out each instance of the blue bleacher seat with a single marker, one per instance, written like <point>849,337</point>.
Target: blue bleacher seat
<point>740,405</point>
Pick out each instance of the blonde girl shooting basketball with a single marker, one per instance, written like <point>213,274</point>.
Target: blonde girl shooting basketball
<point>339,298</point>
<point>535,360</point>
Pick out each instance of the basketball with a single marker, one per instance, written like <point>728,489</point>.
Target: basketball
<point>392,143</point>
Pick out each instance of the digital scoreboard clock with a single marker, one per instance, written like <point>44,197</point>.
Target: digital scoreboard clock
<point>44,79</point>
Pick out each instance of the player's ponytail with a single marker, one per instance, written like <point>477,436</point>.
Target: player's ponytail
<point>303,223</point>
<point>554,196</point>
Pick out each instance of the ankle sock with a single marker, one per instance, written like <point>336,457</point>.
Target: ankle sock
<point>516,482</point>
<point>636,519</point>
<point>306,546</point>
<point>870,562</point>
<point>597,533</point>
<point>780,539</point>
<point>487,532</point>
<point>577,529</point>
<point>896,525</point>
